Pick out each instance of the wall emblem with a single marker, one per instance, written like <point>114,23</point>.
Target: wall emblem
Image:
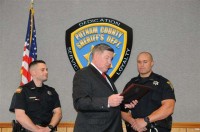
<point>83,36</point>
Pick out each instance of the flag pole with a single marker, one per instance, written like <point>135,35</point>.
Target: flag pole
<point>30,47</point>
<point>32,15</point>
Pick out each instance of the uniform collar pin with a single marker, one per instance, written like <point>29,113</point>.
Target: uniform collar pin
<point>49,92</point>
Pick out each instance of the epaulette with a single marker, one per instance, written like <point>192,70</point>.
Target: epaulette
<point>170,84</point>
<point>19,89</point>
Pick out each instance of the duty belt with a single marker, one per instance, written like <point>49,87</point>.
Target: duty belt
<point>17,127</point>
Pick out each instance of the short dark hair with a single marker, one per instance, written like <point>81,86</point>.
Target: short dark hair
<point>102,47</point>
<point>36,62</point>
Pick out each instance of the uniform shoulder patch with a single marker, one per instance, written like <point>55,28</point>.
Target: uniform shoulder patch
<point>19,89</point>
<point>170,84</point>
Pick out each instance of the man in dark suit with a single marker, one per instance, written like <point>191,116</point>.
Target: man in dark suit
<point>95,97</point>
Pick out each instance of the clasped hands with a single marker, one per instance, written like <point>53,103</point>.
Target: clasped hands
<point>42,129</point>
<point>138,124</point>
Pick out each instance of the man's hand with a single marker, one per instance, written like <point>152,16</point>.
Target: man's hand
<point>43,129</point>
<point>131,105</point>
<point>115,100</point>
<point>139,125</point>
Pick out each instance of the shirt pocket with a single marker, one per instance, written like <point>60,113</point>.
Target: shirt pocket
<point>33,104</point>
<point>157,97</point>
<point>48,102</point>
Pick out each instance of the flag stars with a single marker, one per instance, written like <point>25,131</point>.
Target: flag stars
<point>27,44</point>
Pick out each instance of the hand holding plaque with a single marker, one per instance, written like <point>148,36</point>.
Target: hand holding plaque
<point>134,92</point>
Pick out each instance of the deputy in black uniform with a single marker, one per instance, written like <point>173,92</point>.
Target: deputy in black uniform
<point>36,105</point>
<point>153,111</point>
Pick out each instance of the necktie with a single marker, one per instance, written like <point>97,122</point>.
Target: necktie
<point>104,75</point>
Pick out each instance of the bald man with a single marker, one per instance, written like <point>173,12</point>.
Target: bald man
<point>153,111</point>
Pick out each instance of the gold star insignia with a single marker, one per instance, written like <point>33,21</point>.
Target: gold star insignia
<point>87,55</point>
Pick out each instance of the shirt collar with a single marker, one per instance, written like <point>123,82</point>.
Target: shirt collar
<point>150,77</point>
<point>96,68</point>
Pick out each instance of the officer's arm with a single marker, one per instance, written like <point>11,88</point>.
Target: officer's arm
<point>24,120</point>
<point>57,116</point>
<point>164,111</point>
<point>126,116</point>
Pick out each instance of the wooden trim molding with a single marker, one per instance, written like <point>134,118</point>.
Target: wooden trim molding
<point>66,124</point>
<point>186,125</point>
<point>5,125</point>
<point>71,125</point>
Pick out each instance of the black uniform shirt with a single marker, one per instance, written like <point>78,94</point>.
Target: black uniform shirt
<point>161,90</point>
<point>38,102</point>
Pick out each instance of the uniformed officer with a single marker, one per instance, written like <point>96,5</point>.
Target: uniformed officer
<point>36,105</point>
<point>153,111</point>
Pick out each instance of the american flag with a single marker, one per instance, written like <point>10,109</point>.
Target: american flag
<point>30,48</point>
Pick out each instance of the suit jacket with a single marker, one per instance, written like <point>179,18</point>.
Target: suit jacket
<point>90,98</point>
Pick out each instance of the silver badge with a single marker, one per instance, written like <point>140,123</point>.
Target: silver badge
<point>49,93</point>
<point>155,83</point>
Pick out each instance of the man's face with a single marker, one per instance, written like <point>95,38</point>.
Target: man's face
<point>144,64</point>
<point>41,72</point>
<point>103,60</point>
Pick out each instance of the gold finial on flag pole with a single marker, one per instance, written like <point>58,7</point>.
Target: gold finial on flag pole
<point>31,7</point>
<point>32,3</point>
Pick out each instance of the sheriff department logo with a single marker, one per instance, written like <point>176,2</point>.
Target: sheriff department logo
<point>83,36</point>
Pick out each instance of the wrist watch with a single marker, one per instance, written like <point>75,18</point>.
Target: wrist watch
<point>50,127</point>
<point>147,120</point>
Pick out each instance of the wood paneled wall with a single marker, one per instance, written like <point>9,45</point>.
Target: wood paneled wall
<point>68,127</point>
